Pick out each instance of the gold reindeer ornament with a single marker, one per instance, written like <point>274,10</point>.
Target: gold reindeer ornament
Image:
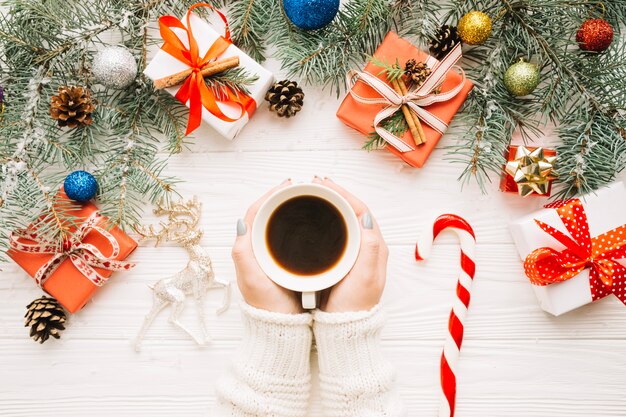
<point>194,281</point>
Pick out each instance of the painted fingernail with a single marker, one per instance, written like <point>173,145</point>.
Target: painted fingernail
<point>328,179</point>
<point>241,228</point>
<point>287,180</point>
<point>367,222</point>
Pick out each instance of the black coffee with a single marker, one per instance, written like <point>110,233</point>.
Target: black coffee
<point>306,235</point>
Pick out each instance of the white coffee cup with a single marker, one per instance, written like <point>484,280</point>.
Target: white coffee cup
<point>308,285</point>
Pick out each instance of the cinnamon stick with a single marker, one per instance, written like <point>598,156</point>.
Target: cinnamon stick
<point>416,120</point>
<point>211,68</point>
<point>408,115</point>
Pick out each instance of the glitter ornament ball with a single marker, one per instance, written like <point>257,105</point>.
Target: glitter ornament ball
<point>311,14</point>
<point>80,186</point>
<point>474,28</point>
<point>521,78</point>
<point>114,67</point>
<point>595,35</point>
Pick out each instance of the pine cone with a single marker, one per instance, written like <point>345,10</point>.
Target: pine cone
<point>72,107</point>
<point>285,98</point>
<point>46,317</point>
<point>445,39</point>
<point>416,71</point>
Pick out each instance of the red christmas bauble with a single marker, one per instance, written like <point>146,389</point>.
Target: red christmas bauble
<point>595,35</point>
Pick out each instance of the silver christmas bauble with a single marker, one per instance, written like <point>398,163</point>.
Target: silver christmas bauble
<point>114,67</point>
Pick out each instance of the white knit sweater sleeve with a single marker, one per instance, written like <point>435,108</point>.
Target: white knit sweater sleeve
<point>355,378</point>
<point>271,374</point>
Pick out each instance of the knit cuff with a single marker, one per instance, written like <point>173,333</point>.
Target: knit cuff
<point>276,344</point>
<point>271,375</point>
<point>355,379</point>
<point>348,346</point>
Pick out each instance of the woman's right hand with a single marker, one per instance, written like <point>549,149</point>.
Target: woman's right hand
<point>362,288</point>
<point>256,288</point>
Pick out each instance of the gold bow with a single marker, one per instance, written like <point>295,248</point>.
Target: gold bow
<point>532,171</point>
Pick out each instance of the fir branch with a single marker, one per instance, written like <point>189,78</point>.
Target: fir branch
<point>236,79</point>
<point>324,56</point>
<point>250,21</point>
<point>392,71</point>
<point>49,44</point>
<point>169,114</point>
<point>395,124</point>
<point>578,87</point>
<point>592,153</point>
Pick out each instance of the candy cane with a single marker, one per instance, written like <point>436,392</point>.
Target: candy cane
<point>452,347</point>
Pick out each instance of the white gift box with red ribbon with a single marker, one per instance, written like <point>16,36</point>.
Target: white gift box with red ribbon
<point>604,211</point>
<point>164,65</point>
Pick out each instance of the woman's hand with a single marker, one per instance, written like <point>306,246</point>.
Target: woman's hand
<point>255,286</point>
<point>362,288</point>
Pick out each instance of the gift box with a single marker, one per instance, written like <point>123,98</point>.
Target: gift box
<point>72,274</point>
<point>574,252</point>
<point>227,114</point>
<point>361,114</point>
<point>534,168</point>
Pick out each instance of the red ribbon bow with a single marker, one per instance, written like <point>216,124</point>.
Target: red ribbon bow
<point>84,256</point>
<point>545,266</point>
<point>195,89</point>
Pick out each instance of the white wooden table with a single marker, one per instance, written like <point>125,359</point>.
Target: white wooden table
<point>516,362</point>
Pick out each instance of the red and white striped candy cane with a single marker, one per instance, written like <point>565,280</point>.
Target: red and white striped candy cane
<point>452,347</point>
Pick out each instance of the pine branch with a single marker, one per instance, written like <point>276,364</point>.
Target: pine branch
<point>575,83</point>
<point>392,71</point>
<point>324,56</point>
<point>251,21</point>
<point>593,151</point>
<point>236,79</point>
<point>395,124</point>
<point>50,44</point>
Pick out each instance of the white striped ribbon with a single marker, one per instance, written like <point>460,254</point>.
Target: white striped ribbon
<point>84,256</point>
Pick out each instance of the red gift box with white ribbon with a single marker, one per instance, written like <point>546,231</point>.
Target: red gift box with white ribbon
<point>74,271</point>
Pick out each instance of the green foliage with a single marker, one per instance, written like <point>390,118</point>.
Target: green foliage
<point>392,71</point>
<point>251,21</point>
<point>324,56</point>
<point>47,44</point>
<point>395,124</point>
<point>236,79</point>
<point>579,90</point>
<point>583,94</point>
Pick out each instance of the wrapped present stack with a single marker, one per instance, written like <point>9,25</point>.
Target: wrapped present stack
<point>429,106</point>
<point>73,272</point>
<point>193,50</point>
<point>574,251</point>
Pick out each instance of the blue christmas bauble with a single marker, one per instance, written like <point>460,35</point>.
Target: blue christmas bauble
<point>80,186</point>
<point>311,14</point>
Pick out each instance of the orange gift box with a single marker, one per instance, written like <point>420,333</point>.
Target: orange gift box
<point>507,182</point>
<point>67,284</point>
<point>361,116</point>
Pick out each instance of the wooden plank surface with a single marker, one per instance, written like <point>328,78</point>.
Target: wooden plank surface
<point>517,360</point>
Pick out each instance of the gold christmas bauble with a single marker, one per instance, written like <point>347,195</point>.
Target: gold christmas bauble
<point>521,78</point>
<point>474,28</point>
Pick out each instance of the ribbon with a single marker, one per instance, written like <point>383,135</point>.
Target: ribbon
<point>194,88</point>
<point>84,256</point>
<point>546,266</point>
<point>416,100</point>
